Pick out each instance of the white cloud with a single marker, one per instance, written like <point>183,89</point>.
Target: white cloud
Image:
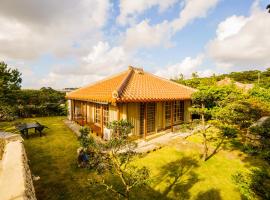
<point>193,9</point>
<point>102,60</point>
<point>185,67</point>
<point>145,35</point>
<point>230,26</point>
<point>242,41</point>
<point>130,9</point>
<point>33,28</point>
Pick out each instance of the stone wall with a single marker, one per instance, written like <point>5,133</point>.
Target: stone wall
<point>15,176</point>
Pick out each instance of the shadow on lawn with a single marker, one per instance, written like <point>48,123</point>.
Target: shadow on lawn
<point>179,177</point>
<point>212,194</point>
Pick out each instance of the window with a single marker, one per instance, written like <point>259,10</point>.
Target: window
<point>167,114</point>
<point>178,112</point>
<point>151,111</point>
<point>142,107</point>
<point>97,113</point>
<point>106,115</point>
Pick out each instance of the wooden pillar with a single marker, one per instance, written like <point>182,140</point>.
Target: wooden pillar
<point>73,110</point>
<point>118,112</point>
<point>86,105</point>
<point>82,113</point>
<point>172,116</point>
<point>156,117</point>
<point>102,121</point>
<point>145,120</point>
<point>163,116</point>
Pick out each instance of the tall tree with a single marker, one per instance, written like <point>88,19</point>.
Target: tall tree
<point>10,82</point>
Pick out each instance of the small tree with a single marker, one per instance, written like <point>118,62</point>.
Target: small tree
<point>115,157</point>
<point>202,111</point>
<point>205,101</point>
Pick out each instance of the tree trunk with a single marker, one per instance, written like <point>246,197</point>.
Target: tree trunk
<point>127,193</point>
<point>205,153</point>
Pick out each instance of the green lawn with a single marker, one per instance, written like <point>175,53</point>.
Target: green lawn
<point>176,170</point>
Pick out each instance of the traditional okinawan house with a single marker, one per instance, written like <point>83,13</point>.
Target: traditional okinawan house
<point>152,104</point>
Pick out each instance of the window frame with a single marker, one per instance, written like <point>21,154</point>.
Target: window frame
<point>97,118</point>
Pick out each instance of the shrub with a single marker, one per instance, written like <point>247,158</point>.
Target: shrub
<point>254,184</point>
<point>2,147</point>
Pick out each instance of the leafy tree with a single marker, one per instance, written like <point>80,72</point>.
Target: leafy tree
<point>10,83</point>
<point>205,101</point>
<point>115,157</point>
<point>241,112</point>
<point>261,145</point>
<point>254,184</point>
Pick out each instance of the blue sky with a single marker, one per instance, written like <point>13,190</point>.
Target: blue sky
<point>73,43</point>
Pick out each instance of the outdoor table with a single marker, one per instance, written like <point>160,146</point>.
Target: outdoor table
<point>24,127</point>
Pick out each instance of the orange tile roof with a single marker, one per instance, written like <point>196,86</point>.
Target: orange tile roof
<point>133,85</point>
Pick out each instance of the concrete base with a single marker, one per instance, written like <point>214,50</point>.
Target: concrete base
<point>15,176</point>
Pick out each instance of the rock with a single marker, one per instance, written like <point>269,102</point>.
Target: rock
<point>36,178</point>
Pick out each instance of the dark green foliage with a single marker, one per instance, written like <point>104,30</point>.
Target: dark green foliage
<point>212,96</point>
<point>7,113</point>
<point>15,102</point>
<point>121,127</point>
<point>261,93</point>
<point>262,133</point>
<point>43,102</point>
<point>196,82</point>
<point>253,185</point>
<point>10,83</point>
<point>241,113</point>
<point>228,131</point>
<point>85,139</point>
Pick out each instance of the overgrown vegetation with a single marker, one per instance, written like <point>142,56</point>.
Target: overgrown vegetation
<point>254,184</point>
<point>2,147</point>
<point>15,102</point>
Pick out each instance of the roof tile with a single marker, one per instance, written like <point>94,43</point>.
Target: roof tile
<point>133,85</point>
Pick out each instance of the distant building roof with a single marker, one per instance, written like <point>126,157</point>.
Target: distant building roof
<point>228,81</point>
<point>132,85</point>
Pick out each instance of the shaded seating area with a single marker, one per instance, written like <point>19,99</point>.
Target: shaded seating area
<point>24,128</point>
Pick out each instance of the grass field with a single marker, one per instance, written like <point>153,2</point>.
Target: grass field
<point>177,171</point>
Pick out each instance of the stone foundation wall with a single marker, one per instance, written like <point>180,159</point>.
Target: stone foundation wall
<point>15,175</point>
